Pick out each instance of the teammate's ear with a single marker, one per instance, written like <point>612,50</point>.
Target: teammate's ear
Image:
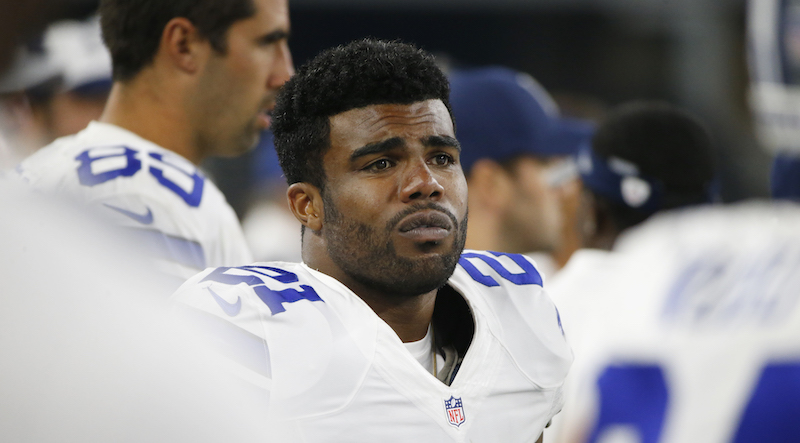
<point>305,201</point>
<point>182,44</point>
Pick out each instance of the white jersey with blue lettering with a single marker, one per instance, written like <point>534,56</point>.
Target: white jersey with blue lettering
<point>336,372</point>
<point>689,331</point>
<point>179,214</point>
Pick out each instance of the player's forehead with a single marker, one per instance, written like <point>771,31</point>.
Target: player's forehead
<point>371,124</point>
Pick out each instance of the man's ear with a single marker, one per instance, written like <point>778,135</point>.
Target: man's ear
<point>305,201</point>
<point>182,44</point>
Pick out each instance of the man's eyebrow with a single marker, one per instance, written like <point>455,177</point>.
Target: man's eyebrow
<point>274,36</point>
<point>377,147</point>
<point>443,141</point>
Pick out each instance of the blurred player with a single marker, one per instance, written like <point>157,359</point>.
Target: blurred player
<point>647,157</point>
<point>386,331</point>
<point>191,80</point>
<point>774,37</point>
<point>89,352</point>
<point>694,322</point>
<point>517,156</point>
<point>59,84</point>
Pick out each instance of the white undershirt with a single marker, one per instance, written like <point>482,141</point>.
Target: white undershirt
<point>422,351</point>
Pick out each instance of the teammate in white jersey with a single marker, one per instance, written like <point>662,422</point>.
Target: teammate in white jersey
<point>191,80</point>
<point>645,158</point>
<point>695,327</point>
<point>386,331</point>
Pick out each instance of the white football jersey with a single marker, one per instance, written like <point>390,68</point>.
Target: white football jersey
<point>164,199</point>
<point>336,372</point>
<point>689,331</point>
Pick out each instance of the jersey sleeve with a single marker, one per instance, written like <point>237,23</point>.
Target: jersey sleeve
<point>162,200</point>
<point>528,321</point>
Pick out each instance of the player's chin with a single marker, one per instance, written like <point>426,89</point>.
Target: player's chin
<point>436,257</point>
<point>248,141</point>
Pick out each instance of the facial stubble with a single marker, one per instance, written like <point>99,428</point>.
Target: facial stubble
<point>369,256</point>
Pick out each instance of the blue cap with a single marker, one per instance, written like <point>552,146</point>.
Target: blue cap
<point>500,113</point>
<point>620,181</point>
<point>785,177</point>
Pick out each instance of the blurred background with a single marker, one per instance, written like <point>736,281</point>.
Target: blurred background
<point>590,54</point>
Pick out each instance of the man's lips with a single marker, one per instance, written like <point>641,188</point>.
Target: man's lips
<point>426,226</point>
<point>265,118</point>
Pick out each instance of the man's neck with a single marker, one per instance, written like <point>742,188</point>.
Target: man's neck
<point>150,110</point>
<point>483,231</point>
<point>408,316</point>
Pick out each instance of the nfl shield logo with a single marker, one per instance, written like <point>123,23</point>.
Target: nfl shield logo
<point>455,411</point>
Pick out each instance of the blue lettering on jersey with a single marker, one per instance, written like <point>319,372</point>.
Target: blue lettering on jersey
<point>274,299</point>
<point>633,396</point>
<point>191,198</point>
<point>529,275</point>
<point>636,396</point>
<point>87,177</point>
<point>774,407</point>
<point>728,290</point>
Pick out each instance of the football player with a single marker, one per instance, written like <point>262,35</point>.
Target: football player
<point>646,158</point>
<point>191,79</point>
<point>387,330</point>
<point>688,331</point>
<point>518,153</point>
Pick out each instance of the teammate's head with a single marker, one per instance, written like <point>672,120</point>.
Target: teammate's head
<point>359,74</point>
<point>647,157</point>
<point>515,151</point>
<point>366,140</point>
<point>132,29</point>
<point>214,66</point>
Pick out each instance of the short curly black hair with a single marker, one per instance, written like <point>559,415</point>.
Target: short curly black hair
<point>362,73</point>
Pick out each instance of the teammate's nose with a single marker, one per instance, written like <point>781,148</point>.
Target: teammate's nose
<point>420,183</point>
<point>284,67</point>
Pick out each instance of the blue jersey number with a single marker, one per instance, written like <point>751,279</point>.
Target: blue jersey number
<point>99,165</point>
<point>528,276</point>
<point>255,279</point>
<point>633,396</point>
<point>636,396</point>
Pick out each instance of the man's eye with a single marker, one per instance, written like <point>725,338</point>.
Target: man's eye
<point>379,165</point>
<point>443,159</point>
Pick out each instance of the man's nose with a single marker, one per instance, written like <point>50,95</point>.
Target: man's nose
<point>284,67</point>
<point>421,183</point>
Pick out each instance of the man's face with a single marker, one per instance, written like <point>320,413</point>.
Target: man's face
<point>395,197</point>
<point>237,89</point>
<point>534,217</point>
